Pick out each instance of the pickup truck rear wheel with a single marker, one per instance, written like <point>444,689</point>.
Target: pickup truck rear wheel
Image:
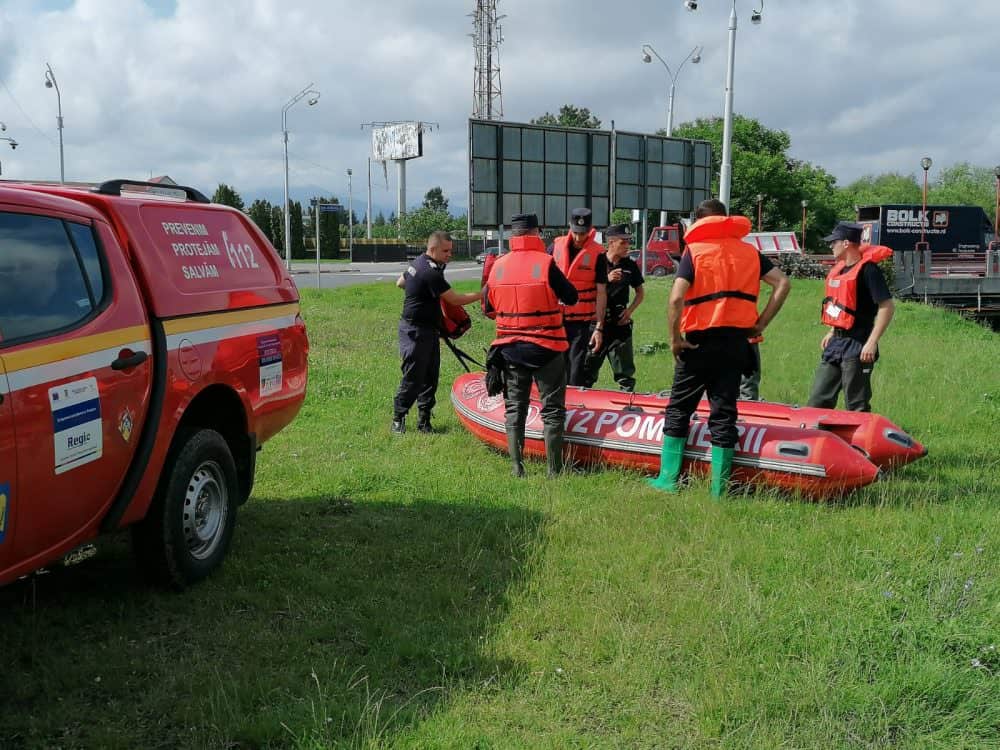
<point>187,531</point>
<point>659,271</point>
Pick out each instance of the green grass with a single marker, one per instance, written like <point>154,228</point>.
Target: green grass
<point>406,592</point>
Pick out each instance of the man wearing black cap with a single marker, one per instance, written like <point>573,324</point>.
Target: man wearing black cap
<point>583,262</point>
<point>858,308</point>
<point>623,274</point>
<point>419,336</point>
<point>523,293</point>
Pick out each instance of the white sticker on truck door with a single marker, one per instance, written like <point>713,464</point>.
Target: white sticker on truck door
<point>76,424</point>
<point>271,369</point>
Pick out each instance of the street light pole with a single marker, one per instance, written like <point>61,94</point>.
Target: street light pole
<point>284,133</point>
<point>804,204</point>
<point>726,172</point>
<point>51,83</point>
<point>760,202</point>
<point>647,57</point>
<point>350,216</point>
<point>925,164</point>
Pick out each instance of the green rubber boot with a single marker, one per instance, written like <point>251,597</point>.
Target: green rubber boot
<point>722,466</point>
<point>671,458</point>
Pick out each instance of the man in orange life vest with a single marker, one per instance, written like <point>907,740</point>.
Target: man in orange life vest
<point>419,331</point>
<point>713,302</point>
<point>523,293</point>
<point>583,262</point>
<point>858,308</point>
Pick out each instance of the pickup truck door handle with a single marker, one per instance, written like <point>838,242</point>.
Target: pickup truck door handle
<point>133,360</point>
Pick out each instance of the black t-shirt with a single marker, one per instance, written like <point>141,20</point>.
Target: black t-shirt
<point>872,291</point>
<point>685,270</point>
<point>424,285</point>
<point>618,290</point>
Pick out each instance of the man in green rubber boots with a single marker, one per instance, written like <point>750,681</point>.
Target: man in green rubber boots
<point>712,313</point>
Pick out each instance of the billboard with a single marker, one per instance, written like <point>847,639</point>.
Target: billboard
<point>396,141</point>
<point>548,171</point>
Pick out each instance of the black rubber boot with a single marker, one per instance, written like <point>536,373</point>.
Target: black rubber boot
<point>398,424</point>
<point>515,446</point>
<point>424,422</point>
<point>554,450</point>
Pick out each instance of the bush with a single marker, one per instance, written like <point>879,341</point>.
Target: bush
<point>801,266</point>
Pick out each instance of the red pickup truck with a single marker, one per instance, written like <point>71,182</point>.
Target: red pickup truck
<point>149,344</point>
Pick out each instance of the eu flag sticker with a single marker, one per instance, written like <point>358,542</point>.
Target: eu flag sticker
<point>4,510</point>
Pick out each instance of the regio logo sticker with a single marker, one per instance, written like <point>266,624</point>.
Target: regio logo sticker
<point>77,429</point>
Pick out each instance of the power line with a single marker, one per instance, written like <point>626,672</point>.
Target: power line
<point>26,116</point>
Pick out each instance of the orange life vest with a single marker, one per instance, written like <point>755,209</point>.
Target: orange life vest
<point>527,309</point>
<point>840,305</point>
<point>726,275</point>
<point>455,321</point>
<point>582,274</point>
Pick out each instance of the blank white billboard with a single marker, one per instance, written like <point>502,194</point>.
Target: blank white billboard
<point>401,140</point>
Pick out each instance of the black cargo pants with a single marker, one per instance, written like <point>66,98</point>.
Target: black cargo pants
<point>420,352</point>
<point>578,335</point>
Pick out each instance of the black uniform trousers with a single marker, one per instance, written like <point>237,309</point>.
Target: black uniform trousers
<point>420,352</point>
<point>616,347</point>
<point>578,335</point>
<point>716,367</point>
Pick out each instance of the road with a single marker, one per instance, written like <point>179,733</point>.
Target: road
<point>336,275</point>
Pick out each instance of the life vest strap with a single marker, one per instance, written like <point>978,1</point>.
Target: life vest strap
<point>539,314</point>
<point>720,295</point>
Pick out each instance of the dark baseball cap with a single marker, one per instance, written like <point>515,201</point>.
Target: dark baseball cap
<point>616,231</point>
<point>845,230</point>
<point>521,222</point>
<point>580,220</point>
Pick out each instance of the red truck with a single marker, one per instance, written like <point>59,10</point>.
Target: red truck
<point>149,345</point>
<point>663,250</point>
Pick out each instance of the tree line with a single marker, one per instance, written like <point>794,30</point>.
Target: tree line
<point>414,227</point>
<point>763,168</point>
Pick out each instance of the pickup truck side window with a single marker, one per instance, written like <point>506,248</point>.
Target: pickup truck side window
<point>42,286</point>
<point>83,237</point>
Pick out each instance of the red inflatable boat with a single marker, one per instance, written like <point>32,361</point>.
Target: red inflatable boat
<point>818,452</point>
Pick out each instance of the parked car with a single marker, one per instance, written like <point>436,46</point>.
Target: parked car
<point>658,262</point>
<point>481,258</point>
<point>149,345</point>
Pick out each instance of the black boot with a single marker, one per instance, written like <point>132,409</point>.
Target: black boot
<point>554,449</point>
<point>398,424</point>
<point>424,422</point>
<point>515,446</point>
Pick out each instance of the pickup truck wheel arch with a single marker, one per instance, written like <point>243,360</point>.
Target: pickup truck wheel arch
<point>189,526</point>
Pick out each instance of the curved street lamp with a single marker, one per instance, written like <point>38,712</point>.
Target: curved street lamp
<point>313,98</point>
<point>51,83</point>
<point>726,172</point>
<point>648,53</point>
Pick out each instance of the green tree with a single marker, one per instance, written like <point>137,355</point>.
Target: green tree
<point>278,230</point>
<point>963,184</point>
<point>260,214</point>
<point>434,199</point>
<point>762,166</point>
<point>329,229</point>
<point>379,220</point>
<point>570,117</point>
<point>296,229</point>
<point>878,190</point>
<point>227,196</point>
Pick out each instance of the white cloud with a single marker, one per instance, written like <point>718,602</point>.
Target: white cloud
<point>860,85</point>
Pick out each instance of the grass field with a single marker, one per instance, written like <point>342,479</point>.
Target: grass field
<point>406,592</point>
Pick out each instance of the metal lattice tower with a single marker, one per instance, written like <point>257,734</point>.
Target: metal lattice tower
<point>487,101</point>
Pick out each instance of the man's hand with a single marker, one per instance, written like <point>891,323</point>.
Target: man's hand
<point>868,352</point>
<point>615,275</point>
<point>596,339</point>
<point>625,318</point>
<point>679,345</point>
<point>826,341</point>
<point>757,331</point>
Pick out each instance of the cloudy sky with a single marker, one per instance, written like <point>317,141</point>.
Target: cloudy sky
<point>194,88</point>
